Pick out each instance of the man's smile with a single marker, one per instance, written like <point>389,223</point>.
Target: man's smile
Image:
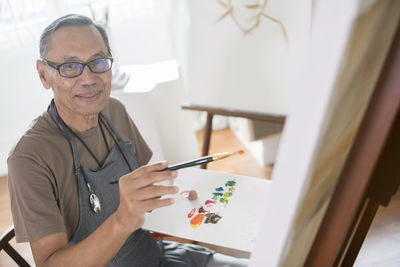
<point>89,96</point>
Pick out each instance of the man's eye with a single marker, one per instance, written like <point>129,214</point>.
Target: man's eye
<point>70,66</point>
<point>99,61</point>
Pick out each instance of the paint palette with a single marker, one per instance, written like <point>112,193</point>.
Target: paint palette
<point>225,204</point>
<point>220,196</point>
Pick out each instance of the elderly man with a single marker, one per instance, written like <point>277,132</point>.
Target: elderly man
<point>60,170</point>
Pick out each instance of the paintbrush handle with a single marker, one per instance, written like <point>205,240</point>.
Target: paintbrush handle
<point>190,163</point>
<point>186,164</point>
<point>194,162</point>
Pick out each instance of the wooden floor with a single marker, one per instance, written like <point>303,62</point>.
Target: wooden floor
<point>381,248</point>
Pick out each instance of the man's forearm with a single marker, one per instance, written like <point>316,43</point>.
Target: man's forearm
<point>95,250</point>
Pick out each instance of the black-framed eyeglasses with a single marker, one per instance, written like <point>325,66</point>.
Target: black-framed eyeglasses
<point>74,69</point>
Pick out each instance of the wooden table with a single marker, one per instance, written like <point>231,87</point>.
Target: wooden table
<point>211,111</point>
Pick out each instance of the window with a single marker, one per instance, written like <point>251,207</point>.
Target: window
<point>22,21</point>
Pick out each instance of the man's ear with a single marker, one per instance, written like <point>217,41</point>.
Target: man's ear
<point>43,75</point>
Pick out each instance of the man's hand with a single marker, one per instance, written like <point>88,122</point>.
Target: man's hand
<point>139,194</point>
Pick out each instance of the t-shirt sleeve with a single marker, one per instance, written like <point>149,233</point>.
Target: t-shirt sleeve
<point>33,202</point>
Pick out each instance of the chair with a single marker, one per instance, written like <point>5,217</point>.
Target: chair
<point>5,238</point>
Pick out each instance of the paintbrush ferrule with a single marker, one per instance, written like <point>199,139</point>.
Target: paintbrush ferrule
<point>222,155</point>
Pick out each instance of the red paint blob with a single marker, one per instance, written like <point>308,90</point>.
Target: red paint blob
<point>191,213</point>
<point>210,202</point>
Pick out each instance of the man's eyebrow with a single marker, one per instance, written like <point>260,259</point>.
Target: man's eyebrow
<point>100,53</point>
<point>69,58</point>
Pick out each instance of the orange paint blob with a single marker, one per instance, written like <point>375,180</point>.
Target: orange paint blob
<point>240,151</point>
<point>197,220</point>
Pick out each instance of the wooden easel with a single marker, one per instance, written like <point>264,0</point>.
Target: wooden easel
<point>370,176</point>
<point>228,112</point>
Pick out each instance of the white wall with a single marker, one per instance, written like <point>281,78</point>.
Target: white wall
<point>249,72</point>
<point>154,103</point>
<point>148,35</point>
<point>22,97</point>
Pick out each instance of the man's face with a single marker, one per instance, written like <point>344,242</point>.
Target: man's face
<point>88,93</point>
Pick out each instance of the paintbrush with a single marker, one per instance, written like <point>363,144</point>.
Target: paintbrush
<point>198,161</point>
<point>203,160</point>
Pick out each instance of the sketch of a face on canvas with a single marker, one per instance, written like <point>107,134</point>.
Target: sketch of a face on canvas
<point>247,11</point>
<point>247,14</point>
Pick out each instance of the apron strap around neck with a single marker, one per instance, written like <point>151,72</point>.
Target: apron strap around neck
<point>112,129</point>
<point>119,139</point>
<point>57,119</point>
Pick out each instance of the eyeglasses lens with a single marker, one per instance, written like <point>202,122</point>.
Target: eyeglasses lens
<point>70,69</point>
<point>100,65</point>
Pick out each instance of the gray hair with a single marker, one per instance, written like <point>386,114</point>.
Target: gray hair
<point>68,20</point>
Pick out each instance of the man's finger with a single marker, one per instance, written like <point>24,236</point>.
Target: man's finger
<point>155,191</point>
<point>155,167</point>
<point>155,177</point>
<point>148,169</point>
<point>153,204</point>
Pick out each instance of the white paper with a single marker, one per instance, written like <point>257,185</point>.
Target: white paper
<point>241,216</point>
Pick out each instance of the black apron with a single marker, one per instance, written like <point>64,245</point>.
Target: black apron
<point>139,249</point>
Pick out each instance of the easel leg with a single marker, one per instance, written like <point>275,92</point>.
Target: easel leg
<point>366,217</point>
<point>207,137</point>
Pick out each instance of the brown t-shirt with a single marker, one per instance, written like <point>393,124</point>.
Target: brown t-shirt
<point>41,180</point>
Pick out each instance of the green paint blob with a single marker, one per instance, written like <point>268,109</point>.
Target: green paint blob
<point>230,183</point>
